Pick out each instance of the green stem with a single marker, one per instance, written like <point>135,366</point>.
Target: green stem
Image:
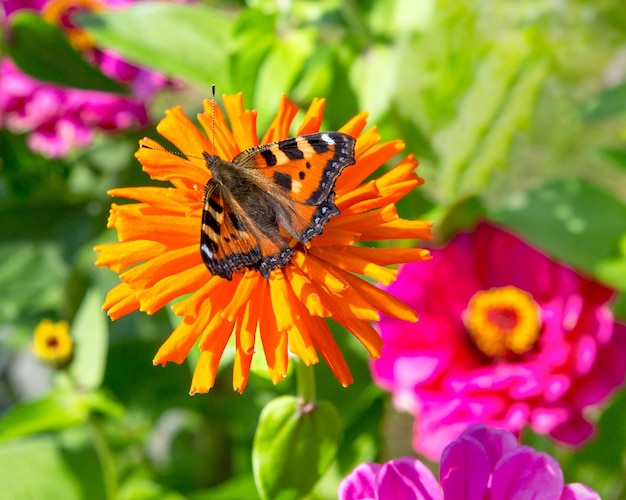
<point>305,379</point>
<point>107,463</point>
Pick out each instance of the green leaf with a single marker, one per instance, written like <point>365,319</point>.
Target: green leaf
<point>608,103</point>
<point>616,155</point>
<point>40,49</point>
<point>90,334</point>
<point>35,468</point>
<point>183,41</point>
<point>253,36</point>
<point>294,445</point>
<point>280,69</point>
<point>501,94</point>
<point>32,275</point>
<point>60,409</point>
<point>374,76</point>
<point>570,219</point>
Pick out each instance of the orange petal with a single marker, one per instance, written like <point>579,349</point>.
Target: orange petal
<point>301,338</point>
<point>274,343</point>
<point>167,289</point>
<point>243,123</point>
<point>164,166</point>
<point>168,199</point>
<point>279,128</point>
<point>362,330</point>
<point>168,264</point>
<point>355,125</point>
<point>364,192</point>
<point>398,229</point>
<point>249,284</point>
<point>193,305</point>
<point>318,272</point>
<point>367,220</point>
<point>330,352</point>
<point>367,164</point>
<point>177,128</point>
<point>332,237</point>
<point>386,256</point>
<point>305,291</point>
<point>282,301</point>
<point>162,228</point>
<point>119,256</point>
<point>206,369</point>
<point>246,336</point>
<point>312,120</point>
<point>120,301</point>
<point>384,301</point>
<point>353,304</point>
<point>177,346</point>
<point>223,145</point>
<point>355,264</point>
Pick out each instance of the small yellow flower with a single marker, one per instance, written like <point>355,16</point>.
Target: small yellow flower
<point>53,344</point>
<point>158,256</point>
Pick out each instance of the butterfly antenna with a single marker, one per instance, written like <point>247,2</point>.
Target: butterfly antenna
<point>213,120</point>
<point>177,153</point>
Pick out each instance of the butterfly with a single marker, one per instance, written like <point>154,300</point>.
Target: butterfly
<point>267,196</point>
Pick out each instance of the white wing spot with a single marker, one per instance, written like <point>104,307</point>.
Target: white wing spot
<point>206,251</point>
<point>327,139</point>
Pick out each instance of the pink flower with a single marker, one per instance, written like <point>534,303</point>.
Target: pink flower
<point>58,118</point>
<point>506,336</point>
<point>482,463</point>
<point>404,478</point>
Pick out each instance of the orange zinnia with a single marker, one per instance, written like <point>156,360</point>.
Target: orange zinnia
<point>159,258</point>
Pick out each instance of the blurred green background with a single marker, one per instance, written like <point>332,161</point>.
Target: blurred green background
<point>515,109</point>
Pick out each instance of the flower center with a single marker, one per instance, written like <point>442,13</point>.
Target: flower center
<point>503,321</point>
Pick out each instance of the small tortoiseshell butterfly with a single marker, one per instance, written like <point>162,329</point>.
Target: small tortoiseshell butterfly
<point>266,194</point>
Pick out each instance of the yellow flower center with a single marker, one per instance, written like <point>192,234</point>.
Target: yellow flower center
<point>503,321</point>
<point>59,12</point>
<point>52,343</point>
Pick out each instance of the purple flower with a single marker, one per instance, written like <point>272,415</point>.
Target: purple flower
<point>57,118</point>
<point>506,336</point>
<point>484,463</point>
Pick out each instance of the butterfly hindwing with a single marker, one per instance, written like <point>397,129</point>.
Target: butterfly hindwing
<point>268,195</point>
<point>230,239</point>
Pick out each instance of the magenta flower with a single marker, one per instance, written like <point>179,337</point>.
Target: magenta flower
<point>506,336</point>
<point>482,463</point>
<point>57,118</point>
<point>406,478</point>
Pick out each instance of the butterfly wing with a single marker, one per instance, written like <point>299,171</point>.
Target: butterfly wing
<point>306,167</point>
<point>231,239</point>
<point>303,170</point>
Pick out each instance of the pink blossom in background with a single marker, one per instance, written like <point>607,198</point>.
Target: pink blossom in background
<point>57,119</point>
<point>506,337</point>
<point>482,463</point>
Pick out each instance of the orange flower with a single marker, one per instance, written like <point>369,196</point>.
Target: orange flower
<point>159,258</point>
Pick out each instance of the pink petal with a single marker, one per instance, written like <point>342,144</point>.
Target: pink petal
<point>409,479</point>
<point>524,473</point>
<point>577,491</point>
<point>360,484</point>
<point>465,469</point>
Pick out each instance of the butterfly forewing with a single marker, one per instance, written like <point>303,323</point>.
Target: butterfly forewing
<point>253,204</point>
<point>306,166</point>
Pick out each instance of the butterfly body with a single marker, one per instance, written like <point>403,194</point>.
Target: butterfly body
<point>267,197</point>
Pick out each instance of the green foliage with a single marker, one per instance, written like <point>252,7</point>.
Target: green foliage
<point>516,111</point>
<point>29,33</point>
